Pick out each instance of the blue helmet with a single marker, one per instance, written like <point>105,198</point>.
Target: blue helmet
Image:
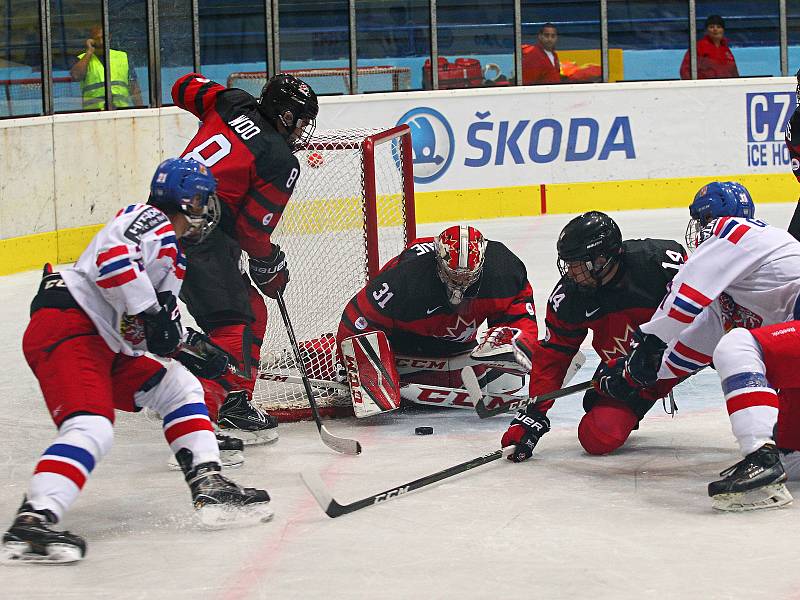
<point>714,200</point>
<point>186,186</point>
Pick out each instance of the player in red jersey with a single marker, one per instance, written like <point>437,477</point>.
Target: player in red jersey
<point>249,146</point>
<point>431,299</point>
<point>610,286</point>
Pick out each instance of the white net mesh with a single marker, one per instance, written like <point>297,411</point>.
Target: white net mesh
<point>332,80</point>
<point>324,235</point>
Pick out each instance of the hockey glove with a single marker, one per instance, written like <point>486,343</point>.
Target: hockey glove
<point>202,356</point>
<point>270,274</point>
<point>524,433</point>
<point>504,344</point>
<point>162,330</point>
<point>644,361</point>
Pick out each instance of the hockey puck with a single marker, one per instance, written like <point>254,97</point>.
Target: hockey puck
<point>424,431</point>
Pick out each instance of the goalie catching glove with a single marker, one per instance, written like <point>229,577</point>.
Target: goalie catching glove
<point>504,345</point>
<point>270,274</point>
<point>524,433</point>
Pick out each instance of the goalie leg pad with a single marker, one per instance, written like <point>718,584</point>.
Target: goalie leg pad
<point>371,373</point>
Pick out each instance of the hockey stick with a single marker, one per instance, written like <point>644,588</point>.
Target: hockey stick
<point>417,393</point>
<point>320,383</point>
<point>343,445</point>
<point>521,402</point>
<point>333,509</point>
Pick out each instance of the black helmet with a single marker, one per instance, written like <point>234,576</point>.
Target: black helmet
<point>798,86</point>
<point>585,239</point>
<point>287,100</point>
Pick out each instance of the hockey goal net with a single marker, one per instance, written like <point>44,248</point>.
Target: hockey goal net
<point>352,210</point>
<point>332,80</point>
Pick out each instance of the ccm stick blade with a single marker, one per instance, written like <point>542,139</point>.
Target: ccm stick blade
<point>334,509</point>
<point>339,444</point>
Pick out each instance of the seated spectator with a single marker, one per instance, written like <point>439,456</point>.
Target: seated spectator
<point>714,57</point>
<point>540,62</point>
<point>89,70</point>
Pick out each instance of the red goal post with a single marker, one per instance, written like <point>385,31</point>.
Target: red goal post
<point>352,210</point>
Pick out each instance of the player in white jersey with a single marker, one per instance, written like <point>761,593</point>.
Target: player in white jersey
<point>90,327</point>
<point>745,275</point>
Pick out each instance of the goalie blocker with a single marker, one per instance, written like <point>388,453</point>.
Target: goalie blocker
<point>371,373</point>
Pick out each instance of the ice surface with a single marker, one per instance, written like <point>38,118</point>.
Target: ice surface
<point>636,524</point>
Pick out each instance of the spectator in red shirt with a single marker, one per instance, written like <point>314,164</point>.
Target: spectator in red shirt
<point>540,62</point>
<point>714,57</point>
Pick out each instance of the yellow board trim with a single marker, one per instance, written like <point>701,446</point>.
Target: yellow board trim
<point>31,251</point>
<point>561,198</point>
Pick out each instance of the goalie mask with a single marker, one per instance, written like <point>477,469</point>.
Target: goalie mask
<point>589,249</point>
<point>717,199</point>
<point>186,186</point>
<point>290,102</point>
<point>460,254</point>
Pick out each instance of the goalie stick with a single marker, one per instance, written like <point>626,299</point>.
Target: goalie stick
<point>343,445</point>
<point>522,402</point>
<point>423,394</point>
<point>334,509</point>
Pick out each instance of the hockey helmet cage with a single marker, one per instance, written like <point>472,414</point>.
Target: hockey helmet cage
<point>186,186</point>
<point>460,254</point>
<point>714,200</point>
<point>588,248</point>
<point>290,101</point>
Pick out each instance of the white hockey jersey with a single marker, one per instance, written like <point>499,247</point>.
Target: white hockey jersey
<point>745,274</point>
<point>117,277</point>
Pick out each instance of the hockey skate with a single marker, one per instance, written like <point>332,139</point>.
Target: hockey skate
<point>30,539</point>
<point>219,502</point>
<point>238,417</point>
<point>754,483</point>
<point>231,453</point>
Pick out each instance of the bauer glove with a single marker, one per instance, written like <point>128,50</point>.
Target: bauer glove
<point>270,274</point>
<point>524,433</point>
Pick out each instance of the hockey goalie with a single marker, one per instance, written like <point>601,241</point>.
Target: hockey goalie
<point>416,323</point>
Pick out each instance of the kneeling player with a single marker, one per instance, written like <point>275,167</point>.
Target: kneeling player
<point>608,286</point>
<point>431,299</point>
<point>90,327</point>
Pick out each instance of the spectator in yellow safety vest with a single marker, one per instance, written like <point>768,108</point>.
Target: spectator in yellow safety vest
<point>90,72</point>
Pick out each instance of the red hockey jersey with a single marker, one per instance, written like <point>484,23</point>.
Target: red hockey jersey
<point>793,141</point>
<point>408,301</point>
<point>255,169</point>
<point>612,312</point>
